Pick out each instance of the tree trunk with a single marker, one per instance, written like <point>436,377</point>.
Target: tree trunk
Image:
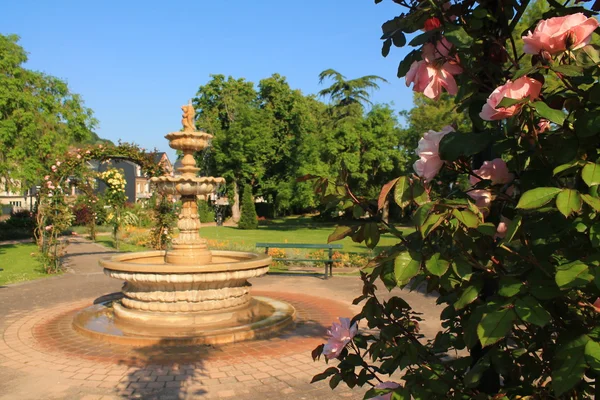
<point>235,207</point>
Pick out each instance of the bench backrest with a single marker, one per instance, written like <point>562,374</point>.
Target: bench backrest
<point>300,246</point>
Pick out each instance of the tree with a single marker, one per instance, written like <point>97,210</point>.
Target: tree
<point>39,118</point>
<point>344,92</point>
<point>249,219</point>
<point>242,141</point>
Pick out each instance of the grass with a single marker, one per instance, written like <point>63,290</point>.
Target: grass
<point>20,263</point>
<point>288,232</point>
<point>125,247</point>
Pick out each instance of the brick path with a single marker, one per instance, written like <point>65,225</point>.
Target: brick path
<point>41,357</point>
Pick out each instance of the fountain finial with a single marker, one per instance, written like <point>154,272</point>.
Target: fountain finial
<point>188,117</point>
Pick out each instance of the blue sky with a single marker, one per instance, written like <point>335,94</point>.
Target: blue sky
<point>135,63</point>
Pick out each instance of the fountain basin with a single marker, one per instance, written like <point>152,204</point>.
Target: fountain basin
<point>204,304</point>
<point>99,322</point>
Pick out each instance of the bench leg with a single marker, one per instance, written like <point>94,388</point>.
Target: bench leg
<point>326,265</point>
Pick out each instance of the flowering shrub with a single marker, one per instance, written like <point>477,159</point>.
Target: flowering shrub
<point>514,256</point>
<point>74,165</point>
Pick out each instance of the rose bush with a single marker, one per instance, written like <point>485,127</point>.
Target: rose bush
<point>507,219</point>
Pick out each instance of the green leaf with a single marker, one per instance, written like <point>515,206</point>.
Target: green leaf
<point>537,197</point>
<point>421,39</point>
<point>457,144</point>
<point>487,229</point>
<point>385,49</point>
<point>569,365</point>
<point>591,174</point>
<point>405,268</point>
<point>568,70</point>
<point>591,201</point>
<point>466,217</point>
<point>432,222</point>
<point>422,213</point>
<point>587,123</point>
<point>592,355</point>
<point>595,235</point>
<point>462,268</point>
<point>470,328</point>
<point>573,274</point>
<point>509,286</point>
<point>566,167</point>
<point>419,193</point>
<point>507,102</point>
<point>399,39</point>
<point>523,72</point>
<point>436,265</point>
<point>325,374</point>
<point>372,234</point>
<point>530,310</point>
<point>512,229</point>
<point>551,114</point>
<point>459,37</point>
<point>495,325</point>
<point>568,202</point>
<point>339,233</point>
<point>405,64</point>
<point>402,192</point>
<point>468,296</point>
<point>473,377</point>
<point>594,93</point>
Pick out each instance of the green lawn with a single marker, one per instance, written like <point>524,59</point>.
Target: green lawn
<point>19,264</point>
<point>288,231</point>
<point>126,247</point>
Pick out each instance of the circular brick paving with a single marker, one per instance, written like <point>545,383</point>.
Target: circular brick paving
<point>44,339</point>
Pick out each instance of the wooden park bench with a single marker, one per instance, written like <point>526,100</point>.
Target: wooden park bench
<point>328,262</point>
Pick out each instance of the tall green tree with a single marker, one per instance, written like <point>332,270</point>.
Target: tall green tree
<point>227,108</point>
<point>362,145</point>
<point>39,118</point>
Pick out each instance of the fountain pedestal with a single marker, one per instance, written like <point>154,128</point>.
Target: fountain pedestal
<point>188,293</point>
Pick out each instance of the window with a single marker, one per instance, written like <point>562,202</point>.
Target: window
<point>15,203</point>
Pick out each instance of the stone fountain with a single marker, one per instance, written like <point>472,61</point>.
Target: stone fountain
<point>188,294</point>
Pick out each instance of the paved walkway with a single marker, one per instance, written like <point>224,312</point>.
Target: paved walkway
<point>41,357</point>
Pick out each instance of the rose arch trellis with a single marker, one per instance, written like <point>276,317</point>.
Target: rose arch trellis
<point>54,214</point>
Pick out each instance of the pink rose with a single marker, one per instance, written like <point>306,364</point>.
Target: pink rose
<point>50,195</point>
<point>385,385</point>
<point>53,168</point>
<point>597,304</point>
<point>78,156</point>
<point>58,163</point>
<point>429,163</point>
<point>87,152</point>
<point>543,125</point>
<point>518,90</point>
<point>558,34</point>
<point>502,228</point>
<point>47,177</point>
<point>435,71</point>
<point>483,199</point>
<point>495,170</point>
<point>340,335</point>
<point>431,24</point>
<point>48,228</point>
